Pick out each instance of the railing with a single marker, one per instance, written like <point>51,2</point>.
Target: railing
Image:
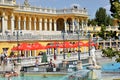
<point>51,11</point>
<point>40,37</point>
<point>31,60</point>
<point>2,2</point>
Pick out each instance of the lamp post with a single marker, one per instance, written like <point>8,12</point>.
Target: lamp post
<point>88,35</point>
<point>78,32</point>
<point>17,34</point>
<point>63,36</point>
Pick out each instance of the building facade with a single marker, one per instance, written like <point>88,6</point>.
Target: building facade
<point>26,23</point>
<point>37,20</point>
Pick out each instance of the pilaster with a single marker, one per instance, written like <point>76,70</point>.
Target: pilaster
<point>12,23</point>
<point>19,19</point>
<point>24,23</point>
<point>29,23</point>
<point>50,24</point>
<point>35,24</point>
<point>55,27</point>
<point>40,24</point>
<point>45,24</point>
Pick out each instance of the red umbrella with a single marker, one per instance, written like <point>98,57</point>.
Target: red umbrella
<point>53,45</point>
<point>66,45</point>
<point>17,48</point>
<point>80,43</point>
<point>90,44</point>
<point>37,46</point>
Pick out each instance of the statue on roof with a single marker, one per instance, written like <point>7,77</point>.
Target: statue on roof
<point>26,3</point>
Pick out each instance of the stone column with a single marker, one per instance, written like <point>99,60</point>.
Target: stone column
<point>45,24</point>
<point>65,26</point>
<point>3,23</point>
<point>86,23</point>
<point>73,25</point>
<point>50,24</point>
<point>35,24</point>
<point>19,23</point>
<point>24,23</point>
<point>6,23</point>
<point>55,27</point>
<point>29,23</point>
<point>40,24</point>
<point>12,24</point>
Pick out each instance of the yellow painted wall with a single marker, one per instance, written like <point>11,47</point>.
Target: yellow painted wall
<point>11,44</point>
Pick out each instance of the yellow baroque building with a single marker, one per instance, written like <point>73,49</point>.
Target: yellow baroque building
<point>25,23</point>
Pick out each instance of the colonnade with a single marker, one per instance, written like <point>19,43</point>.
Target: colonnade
<point>36,23</point>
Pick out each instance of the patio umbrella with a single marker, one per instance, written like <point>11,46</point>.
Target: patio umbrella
<point>80,43</point>
<point>26,46</point>
<point>52,45</point>
<point>66,45</point>
<point>90,44</point>
<point>17,48</point>
<point>37,46</point>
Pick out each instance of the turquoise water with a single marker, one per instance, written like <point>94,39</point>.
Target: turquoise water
<point>34,78</point>
<point>111,67</point>
<point>75,75</point>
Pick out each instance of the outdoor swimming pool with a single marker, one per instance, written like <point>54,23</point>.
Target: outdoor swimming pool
<point>34,78</point>
<point>39,76</point>
<point>111,67</point>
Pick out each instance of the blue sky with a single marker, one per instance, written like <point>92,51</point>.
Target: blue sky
<point>91,5</point>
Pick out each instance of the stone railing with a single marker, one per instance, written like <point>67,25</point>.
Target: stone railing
<point>2,2</point>
<point>51,11</point>
<point>40,37</point>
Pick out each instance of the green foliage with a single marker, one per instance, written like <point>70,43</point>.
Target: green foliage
<point>102,32</point>
<point>107,34</point>
<point>109,52</point>
<point>115,8</point>
<point>92,22</point>
<point>100,16</point>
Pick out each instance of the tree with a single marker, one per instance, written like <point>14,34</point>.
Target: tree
<point>109,20</point>
<point>102,18</point>
<point>101,34</point>
<point>92,22</point>
<point>109,52</point>
<point>115,10</point>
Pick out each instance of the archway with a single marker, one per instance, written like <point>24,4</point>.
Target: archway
<point>60,24</point>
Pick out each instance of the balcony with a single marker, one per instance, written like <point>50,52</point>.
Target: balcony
<point>4,3</point>
<point>51,11</point>
<point>30,37</point>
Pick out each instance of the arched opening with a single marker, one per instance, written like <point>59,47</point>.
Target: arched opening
<point>60,24</point>
<point>69,25</point>
<point>0,22</point>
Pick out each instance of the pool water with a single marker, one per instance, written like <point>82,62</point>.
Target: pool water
<point>111,67</point>
<point>34,78</point>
